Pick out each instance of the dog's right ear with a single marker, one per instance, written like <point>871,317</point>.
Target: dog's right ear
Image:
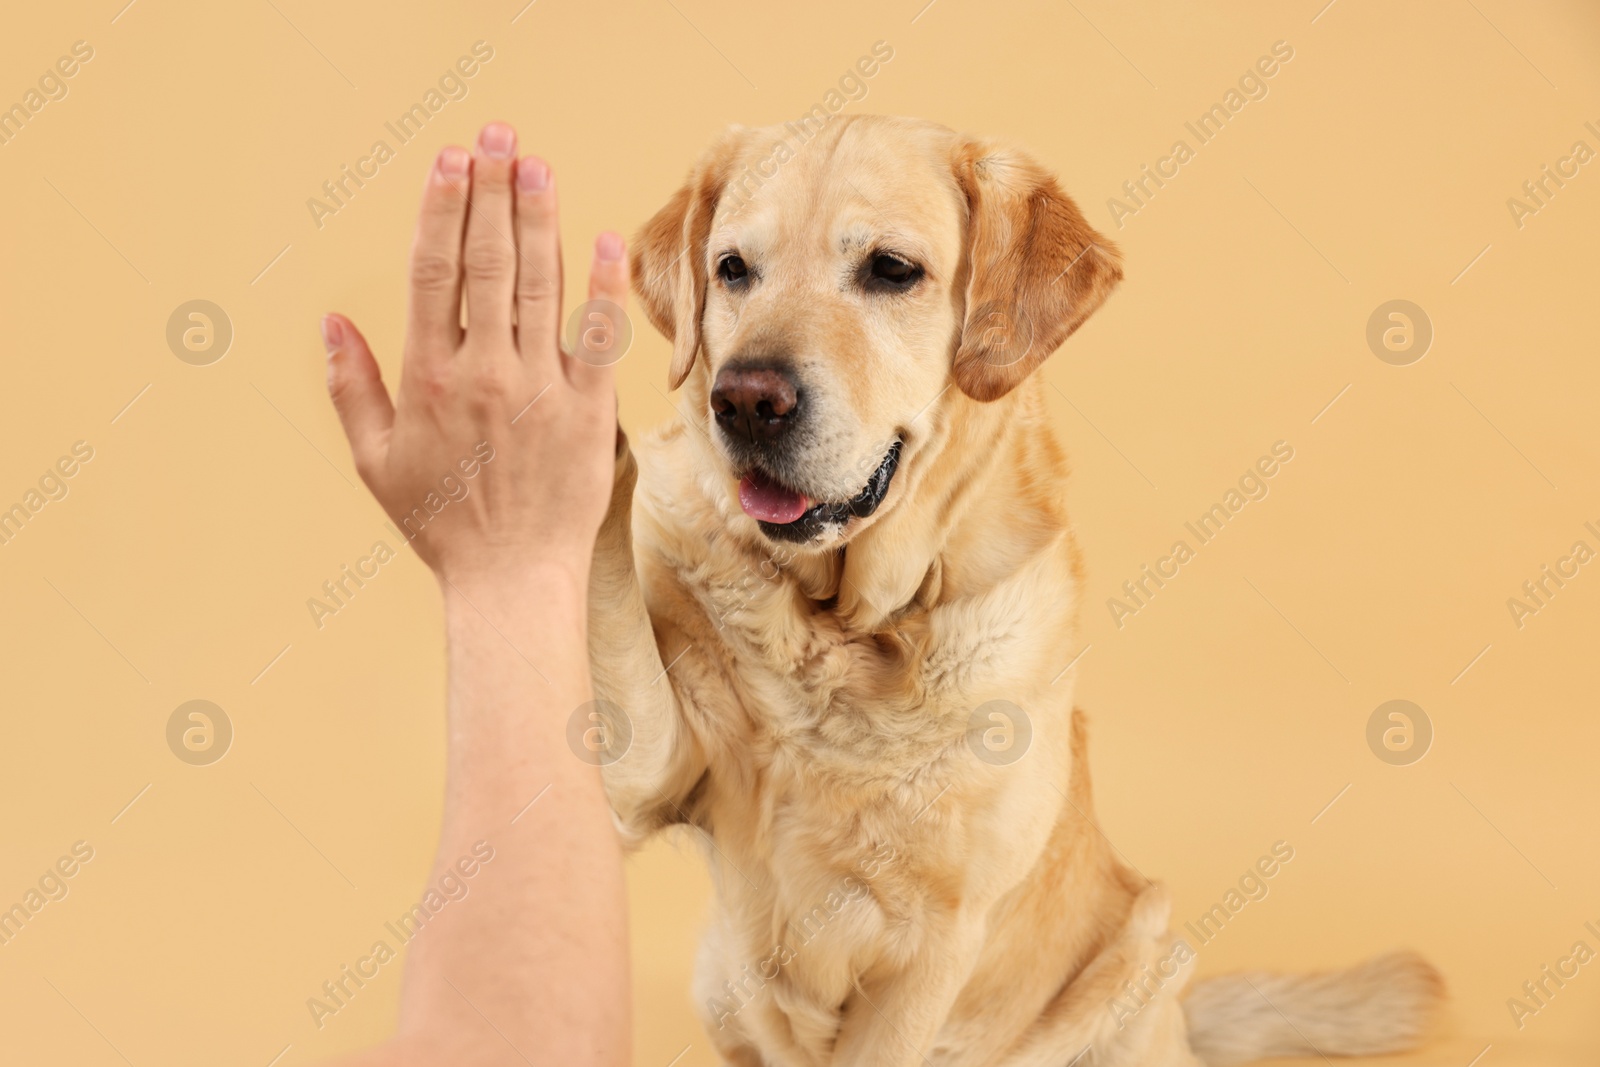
<point>669,255</point>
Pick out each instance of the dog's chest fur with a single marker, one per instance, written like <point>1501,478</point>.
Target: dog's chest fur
<point>842,797</point>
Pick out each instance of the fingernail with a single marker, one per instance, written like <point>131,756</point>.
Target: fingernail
<point>332,333</point>
<point>498,140</point>
<point>533,175</point>
<point>608,247</point>
<point>453,161</point>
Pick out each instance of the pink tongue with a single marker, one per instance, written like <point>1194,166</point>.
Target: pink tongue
<point>768,501</point>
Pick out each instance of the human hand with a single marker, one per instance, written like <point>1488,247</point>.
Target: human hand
<point>497,457</point>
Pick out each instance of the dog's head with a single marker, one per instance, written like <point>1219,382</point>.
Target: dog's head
<point>825,288</point>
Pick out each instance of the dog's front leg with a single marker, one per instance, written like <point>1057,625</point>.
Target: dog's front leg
<point>894,1017</point>
<point>648,780</point>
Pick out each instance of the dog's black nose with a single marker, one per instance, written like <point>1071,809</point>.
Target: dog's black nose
<point>755,404</point>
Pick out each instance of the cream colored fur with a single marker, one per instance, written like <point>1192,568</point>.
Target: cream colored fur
<point>885,898</point>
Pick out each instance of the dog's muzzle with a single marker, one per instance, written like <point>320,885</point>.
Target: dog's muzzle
<point>819,517</point>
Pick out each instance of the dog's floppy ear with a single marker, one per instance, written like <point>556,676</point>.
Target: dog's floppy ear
<point>1036,269</point>
<point>669,255</point>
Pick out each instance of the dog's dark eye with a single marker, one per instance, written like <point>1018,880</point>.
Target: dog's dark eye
<point>732,270</point>
<point>892,272</point>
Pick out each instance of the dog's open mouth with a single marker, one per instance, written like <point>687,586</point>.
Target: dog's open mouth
<point>788,515</point>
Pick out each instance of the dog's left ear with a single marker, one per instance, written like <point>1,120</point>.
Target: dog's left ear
<point>669,255</point>
<point>1036,269</point>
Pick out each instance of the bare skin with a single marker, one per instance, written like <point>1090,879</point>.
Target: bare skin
<point>532,965</point>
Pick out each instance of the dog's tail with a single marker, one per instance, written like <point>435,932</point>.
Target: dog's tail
<point>1384,1005</point>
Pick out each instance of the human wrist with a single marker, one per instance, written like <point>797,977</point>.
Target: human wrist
<point>550,586</point>
<point>506,631</point>
<point>558,574</point>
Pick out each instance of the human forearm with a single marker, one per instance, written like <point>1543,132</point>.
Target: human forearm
<point>498,973</point>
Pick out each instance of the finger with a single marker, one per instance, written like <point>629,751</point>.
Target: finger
<point>538,265</point>
<point>356,386</point>
<point>490,256</point>
<point>435,316</point>
<point>603,336</point>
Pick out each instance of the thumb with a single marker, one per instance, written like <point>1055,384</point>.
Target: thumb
<point>356,386</point>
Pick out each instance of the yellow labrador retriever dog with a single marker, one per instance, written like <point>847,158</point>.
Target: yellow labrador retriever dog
<point>833,604</point>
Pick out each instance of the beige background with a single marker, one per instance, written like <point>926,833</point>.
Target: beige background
<point>1226,715</point>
